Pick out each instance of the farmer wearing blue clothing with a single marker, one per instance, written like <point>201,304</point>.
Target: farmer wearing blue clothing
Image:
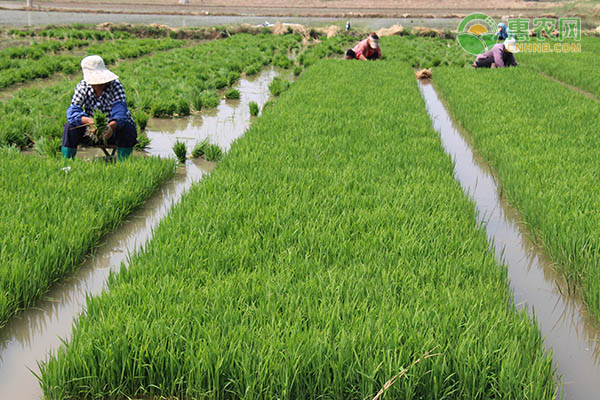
<point>101,90</point>
<point>502,31</point>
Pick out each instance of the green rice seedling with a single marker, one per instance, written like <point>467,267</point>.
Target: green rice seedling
<point>141,119</point>
<point>233,76</point>
<point>252,69</point>
<point>278,85</point>
<point>281,60</point>
<point>47,146</point>
<point>209,99</point>
<point>546,157</point>
<point>323,256</point>
<point>232,94</point>
<point>164,108</point>
<point>253,108</point>
<point>180,151</point>
<point>220,82</point>
<point>63,214</point>
<point>298,70</point>
<point>95,131</point>
<point>39,61</point>
<point>183,107</point>
<point>200,149</point>
<point>213,152</point>
<point>143,141</point>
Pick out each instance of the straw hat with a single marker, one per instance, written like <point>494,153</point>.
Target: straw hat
<point>95,72</point>
<point>511,45</point>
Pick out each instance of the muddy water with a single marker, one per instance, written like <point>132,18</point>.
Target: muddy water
<point>30,336</point>
<point>220,126</point>
<point>563,320</point>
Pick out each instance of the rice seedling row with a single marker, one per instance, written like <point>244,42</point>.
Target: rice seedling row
<point>167,84</point>
<point>70,32</point>
<point>24,69</point>
<point>424,52</point>
<point>543,140</point>
<point>37,50</point>
<point>110,31</point>
<point>329,250</point>
<point>190,77</point>
<point>53,214</point>
<point>577,69</point>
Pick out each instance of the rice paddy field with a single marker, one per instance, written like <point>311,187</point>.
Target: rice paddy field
<point>331,254</point>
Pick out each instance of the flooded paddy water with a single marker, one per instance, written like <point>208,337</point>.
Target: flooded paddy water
<point>561,316</point>
<point>31,335</point>
<point>220,126</point>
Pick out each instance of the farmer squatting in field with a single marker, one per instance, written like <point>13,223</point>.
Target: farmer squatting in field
<point>501,55</point>
<point>367,49</point>
<point>101,90</point>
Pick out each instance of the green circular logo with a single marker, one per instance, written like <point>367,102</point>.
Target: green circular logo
<point>476,33</point>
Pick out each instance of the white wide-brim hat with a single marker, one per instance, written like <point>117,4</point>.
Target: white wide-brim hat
<point>374,43</point>
<point>511,45</point>
<point>95,72</point>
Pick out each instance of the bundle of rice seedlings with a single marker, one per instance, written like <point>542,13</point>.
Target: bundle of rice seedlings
<point>424,74</point>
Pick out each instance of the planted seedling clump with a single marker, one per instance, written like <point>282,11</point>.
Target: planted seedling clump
<point>253,108</point>
<point>141,118</point>
<point>180,151</point>
<point>278,86</point>
<point>199,149</point>
<point>143,141</point>
<point>232,94</point>
<point>213,152</point>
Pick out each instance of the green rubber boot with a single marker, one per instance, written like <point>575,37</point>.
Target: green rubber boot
<point>123,153</point>
<point>68,152</point>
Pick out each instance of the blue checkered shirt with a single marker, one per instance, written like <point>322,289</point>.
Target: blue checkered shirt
<point>85,102</point>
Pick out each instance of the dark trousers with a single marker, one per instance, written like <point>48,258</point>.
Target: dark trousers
<point>125,136</point>
<point>351,55</point>
<point>507,58</point>
<point>485,62</point>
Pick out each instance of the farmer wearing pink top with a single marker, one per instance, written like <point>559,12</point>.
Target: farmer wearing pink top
<point>367,49</point>
<point>500,56</point>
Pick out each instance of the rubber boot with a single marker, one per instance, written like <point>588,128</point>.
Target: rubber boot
<point>68,152</point>
<point>123,153</point>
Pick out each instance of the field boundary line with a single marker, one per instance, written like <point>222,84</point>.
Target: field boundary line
<point>577,89</point>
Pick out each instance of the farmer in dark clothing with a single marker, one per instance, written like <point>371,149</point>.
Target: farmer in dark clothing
<point>101,90</point>
<point>501,55</point>
<point>367,49</point>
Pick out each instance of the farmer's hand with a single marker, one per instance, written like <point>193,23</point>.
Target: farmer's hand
<point>493,65</point>
<point>86,120</point>
<point>107,133</point>
<point>110,129</point>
